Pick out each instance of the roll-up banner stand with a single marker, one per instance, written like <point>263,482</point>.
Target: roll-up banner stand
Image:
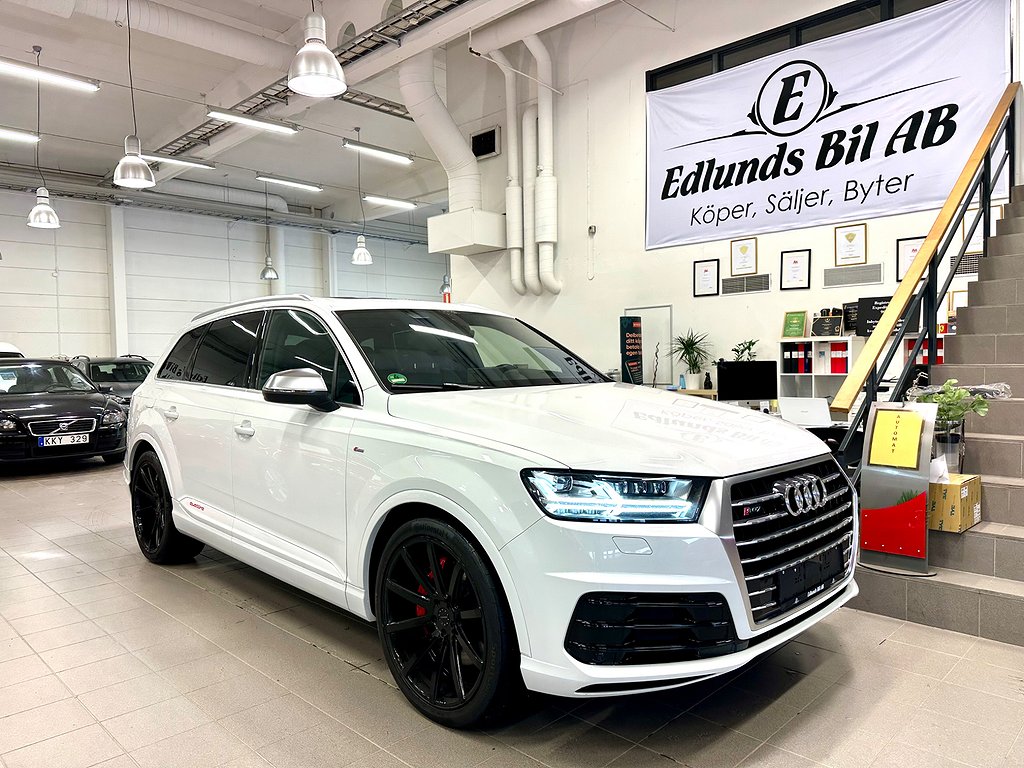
<point>894,487</point>
<point>632,349</point>
<point>869,123</point>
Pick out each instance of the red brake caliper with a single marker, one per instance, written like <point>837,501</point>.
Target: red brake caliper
<point>420,610</point>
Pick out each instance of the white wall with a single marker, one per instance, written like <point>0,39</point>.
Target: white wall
<point>600,66</point>
<point>176,265</point>
<point>53,283</point>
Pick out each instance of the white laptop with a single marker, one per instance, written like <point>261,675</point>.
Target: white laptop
<point>806,411</point>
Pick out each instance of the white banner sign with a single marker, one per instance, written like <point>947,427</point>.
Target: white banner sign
<point>871,123</point>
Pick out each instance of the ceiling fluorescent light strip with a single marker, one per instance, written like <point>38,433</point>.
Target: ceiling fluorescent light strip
<point>186,162</point>
<point>380,152</point>
<point>296,183</point>
<point>46,75</point>
<point>263,123</point>
<point>13,134</point>
<point>378,200</point>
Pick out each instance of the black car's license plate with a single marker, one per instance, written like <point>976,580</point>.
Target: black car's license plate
<point>805,576</point>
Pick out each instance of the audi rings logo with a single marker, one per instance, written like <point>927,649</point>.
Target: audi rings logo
<point>802,493</point>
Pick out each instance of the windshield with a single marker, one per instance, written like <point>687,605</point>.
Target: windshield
<point>114,373</point>
<point>427,349</point>
<point>34,378</point>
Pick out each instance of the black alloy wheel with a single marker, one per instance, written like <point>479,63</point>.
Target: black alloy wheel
<point>159,540</point>
<point>444,627</point>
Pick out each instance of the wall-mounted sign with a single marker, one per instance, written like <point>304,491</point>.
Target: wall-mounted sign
<point>868,123</point>
<point>631,347</point>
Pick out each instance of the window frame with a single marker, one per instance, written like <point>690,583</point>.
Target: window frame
<point>794,30</point>
<point>339,347</point>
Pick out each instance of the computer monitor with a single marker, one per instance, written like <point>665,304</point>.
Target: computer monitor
<point>748,380</point>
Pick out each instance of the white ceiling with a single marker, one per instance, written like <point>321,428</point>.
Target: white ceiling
<point>84,132</point>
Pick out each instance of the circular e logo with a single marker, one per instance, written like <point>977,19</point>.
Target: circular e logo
<point>792,98</point>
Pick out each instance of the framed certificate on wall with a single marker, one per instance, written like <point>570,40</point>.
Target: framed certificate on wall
<point>705,277</point>
<point>743,257</point>
<point>851,245</point>
<point>796,270</point>
<point>906,252</point>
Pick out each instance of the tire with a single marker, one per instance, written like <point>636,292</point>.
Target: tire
<point>113,458</point>
<point>158,539</point>
<point>449,641</point>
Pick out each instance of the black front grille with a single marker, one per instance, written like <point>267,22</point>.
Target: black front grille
<point>610,628</point>
<point>789,558</point>
<point>44,427</point>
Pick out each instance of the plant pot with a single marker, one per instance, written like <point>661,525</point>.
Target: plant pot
<point>949,442</point>
<point>694,380</point>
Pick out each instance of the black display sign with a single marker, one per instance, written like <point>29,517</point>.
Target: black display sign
<point>850,317</point>
<point>829,325</point>
<point>869,311</point>
<point>631,348</point>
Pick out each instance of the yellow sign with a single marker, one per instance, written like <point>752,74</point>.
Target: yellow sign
<point>896,439</point>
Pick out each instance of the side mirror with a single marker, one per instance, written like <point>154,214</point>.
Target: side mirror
<point>106,389</point>
<point>299,386</point>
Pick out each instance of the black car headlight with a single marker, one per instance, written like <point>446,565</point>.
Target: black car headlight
<point>8,425</point>
<point>601,498</point>
<point>113,418</point>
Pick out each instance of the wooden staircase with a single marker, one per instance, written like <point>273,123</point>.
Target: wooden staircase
<point>979,587</point>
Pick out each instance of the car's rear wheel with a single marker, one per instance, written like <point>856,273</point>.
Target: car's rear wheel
<point>445,628</point>
<point>160,541</point>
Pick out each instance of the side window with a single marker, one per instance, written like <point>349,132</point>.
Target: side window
<point>175,367</point>
<point>297,339</point>
<point>226,350</point>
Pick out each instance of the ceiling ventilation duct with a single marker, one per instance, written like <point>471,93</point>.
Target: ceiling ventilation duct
<point>466,230</point>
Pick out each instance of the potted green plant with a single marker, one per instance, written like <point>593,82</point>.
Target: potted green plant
<point>954,404</point>
<point>744,351</point>
<point>692,350</point>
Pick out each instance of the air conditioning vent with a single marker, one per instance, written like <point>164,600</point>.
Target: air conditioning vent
<point>969,264</point>
<point>746,284</point>
<point>486,143</point>
<point>867,274</point>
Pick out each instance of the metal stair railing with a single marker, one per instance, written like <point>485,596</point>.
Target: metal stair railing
<point>920,290</point>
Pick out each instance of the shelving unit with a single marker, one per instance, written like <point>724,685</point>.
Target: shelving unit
<point>815,366</point>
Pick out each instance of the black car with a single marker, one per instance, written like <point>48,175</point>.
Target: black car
<point>122,374</point>
<point>48,409</point>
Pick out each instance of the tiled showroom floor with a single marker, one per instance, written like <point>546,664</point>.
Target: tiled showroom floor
<point>108,660</point>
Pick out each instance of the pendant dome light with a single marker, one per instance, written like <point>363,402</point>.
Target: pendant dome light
<point>268,273</point>
<point>361,255</point>
<point>132,171</point>
<point>42,215</point>
<point>315,70</point>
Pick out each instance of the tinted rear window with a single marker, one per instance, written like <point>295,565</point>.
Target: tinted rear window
<point>225,353</point>
<point>175,367</point>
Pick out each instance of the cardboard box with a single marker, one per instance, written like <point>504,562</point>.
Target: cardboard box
<point>954,506</point>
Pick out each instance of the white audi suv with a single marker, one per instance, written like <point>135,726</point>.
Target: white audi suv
<point>509,517</point>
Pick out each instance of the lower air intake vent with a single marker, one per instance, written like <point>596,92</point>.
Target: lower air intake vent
<point>610,628</point>
<point>746,284</point>
<point>865,274</point>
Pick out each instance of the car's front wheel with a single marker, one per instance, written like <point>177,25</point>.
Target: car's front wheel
<point>444,625</point>
<point>160,541</point>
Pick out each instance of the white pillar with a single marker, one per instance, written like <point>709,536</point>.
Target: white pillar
<point>117,281</point>
<point>329,254</point>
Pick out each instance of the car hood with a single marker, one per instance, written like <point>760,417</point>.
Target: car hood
<point>616,427</point>
<point>42,406</point>
<point>122,388</point>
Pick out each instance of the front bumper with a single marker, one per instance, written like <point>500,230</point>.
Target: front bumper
<point>554,564</point>
<point>23,447</point>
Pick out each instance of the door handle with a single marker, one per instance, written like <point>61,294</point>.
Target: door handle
<point>245,429</point>
<point>170,413</point>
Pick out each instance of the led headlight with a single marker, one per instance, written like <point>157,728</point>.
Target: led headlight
<point>8,425</point>
<point>110,418</point>
<point>586,496</point>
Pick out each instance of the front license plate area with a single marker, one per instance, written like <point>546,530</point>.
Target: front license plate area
<point>801,578</point>
<point>52,440</point>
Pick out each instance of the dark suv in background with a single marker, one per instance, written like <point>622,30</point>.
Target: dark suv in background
<point>121,374</point>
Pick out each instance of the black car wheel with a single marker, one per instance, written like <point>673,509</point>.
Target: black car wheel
<point>158,539</point>
<point>445,628</point>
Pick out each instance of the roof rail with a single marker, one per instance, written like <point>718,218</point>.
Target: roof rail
<point>260,300</point>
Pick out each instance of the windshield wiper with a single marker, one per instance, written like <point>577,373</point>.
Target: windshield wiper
<point>446,386</point>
